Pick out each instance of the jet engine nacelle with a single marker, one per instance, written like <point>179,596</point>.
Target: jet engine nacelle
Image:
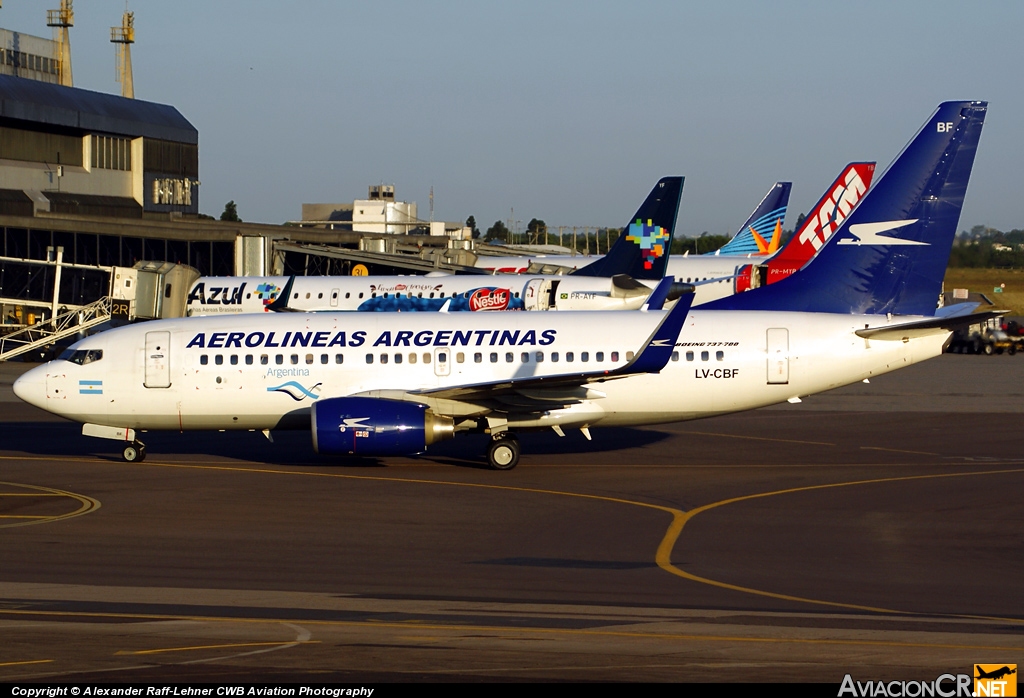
<point>368,426</point>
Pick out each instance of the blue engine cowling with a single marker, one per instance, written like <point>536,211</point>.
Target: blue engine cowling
<point>369,426</point>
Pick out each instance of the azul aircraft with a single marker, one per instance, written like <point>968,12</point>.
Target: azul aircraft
<point>638,255</point>
<point>395,383</point>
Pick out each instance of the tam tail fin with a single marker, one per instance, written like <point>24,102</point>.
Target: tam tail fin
<point>890,253</point>
<point>642,249</point>
<point>825,217</point>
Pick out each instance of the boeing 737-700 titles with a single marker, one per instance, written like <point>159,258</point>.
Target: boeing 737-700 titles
<point>394,383</point>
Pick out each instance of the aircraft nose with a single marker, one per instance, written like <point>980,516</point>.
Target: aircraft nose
<point>31,386</point>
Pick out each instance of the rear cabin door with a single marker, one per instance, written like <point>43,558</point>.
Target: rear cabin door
<point>778,355</point>
<point>158,360</point>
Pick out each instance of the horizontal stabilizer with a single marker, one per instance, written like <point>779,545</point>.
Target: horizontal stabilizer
<point>928,326</point>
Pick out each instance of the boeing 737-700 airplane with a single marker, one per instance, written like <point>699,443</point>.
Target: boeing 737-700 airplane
<point>394,383</point>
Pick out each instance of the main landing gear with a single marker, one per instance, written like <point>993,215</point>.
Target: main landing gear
<point>134,452</point>
<point>503,452</point>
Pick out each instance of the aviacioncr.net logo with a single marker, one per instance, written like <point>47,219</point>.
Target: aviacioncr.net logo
<point>945,686</point>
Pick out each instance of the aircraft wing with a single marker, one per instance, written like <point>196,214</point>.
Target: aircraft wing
<point>651,357</point>
<point>927,326</point>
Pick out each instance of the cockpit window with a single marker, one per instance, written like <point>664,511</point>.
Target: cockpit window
<point>81,356</point>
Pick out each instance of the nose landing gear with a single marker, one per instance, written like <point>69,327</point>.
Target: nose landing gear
<point>134,452</point>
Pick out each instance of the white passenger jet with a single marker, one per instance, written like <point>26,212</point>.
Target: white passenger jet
<point>394,383</point>
<point>613,284</point>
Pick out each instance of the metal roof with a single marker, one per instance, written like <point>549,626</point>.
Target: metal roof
<point>94,112</point>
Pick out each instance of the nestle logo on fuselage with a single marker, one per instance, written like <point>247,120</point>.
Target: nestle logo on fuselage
<point>218,295</point>
<point>821,224</point>
<point>388,338</point>
<point>490,299</point>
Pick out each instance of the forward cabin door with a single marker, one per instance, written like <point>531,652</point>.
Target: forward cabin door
<point>158,360</point>
<point>778,355</point>
<point>537,294</point>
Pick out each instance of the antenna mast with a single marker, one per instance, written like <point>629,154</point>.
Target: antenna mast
<point>63,19</point>
<point>125,37</point>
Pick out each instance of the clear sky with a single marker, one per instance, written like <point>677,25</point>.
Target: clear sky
<point>564,111</point>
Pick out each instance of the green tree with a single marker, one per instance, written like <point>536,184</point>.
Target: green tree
<point>535,228</point>
<point>498,231</point>
<point>230,212</point>
<point>471,224</point>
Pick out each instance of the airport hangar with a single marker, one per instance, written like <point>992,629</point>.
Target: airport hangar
<point>90,182</point>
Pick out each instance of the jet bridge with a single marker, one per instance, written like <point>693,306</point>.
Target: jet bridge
<point>147,291</point>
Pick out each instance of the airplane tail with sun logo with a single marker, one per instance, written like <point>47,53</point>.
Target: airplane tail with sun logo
<point>762,232</point>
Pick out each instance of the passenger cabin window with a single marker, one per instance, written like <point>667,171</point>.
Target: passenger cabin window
<point>264,359</point>
<point>204,360</point>
<point>615,356</point>
<point>720,355</point>
<point>218,359</point>
<point>689,356</point>
<point>369,358</point>
<point>704,356</point>
<point>600,356</point>
<point>569,356</point>
<point>279,359</point>
<point>248,359</point>
<point>584,356</point>
<point>339,358</point>
<point>675,356</point>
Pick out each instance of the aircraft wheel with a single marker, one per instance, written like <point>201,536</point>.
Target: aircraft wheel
<point>134,452</point>
<point>503,453</point>
<point>988,349</point>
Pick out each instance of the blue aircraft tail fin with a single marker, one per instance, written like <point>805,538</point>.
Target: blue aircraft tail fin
<point>769,215</point>
<point>641,251</point>
<point>890,253</point>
